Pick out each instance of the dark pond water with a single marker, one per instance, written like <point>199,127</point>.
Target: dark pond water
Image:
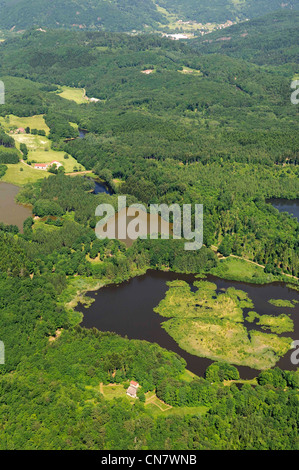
<point>12,213</point>
<point>286,205</point>
<point>82,133</point>
<point>101,188</point>
<point>127,309</point>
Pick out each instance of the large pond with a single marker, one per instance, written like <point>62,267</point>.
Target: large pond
<point>127,309</point>
<point>286,205</point>
<point>12,213</point>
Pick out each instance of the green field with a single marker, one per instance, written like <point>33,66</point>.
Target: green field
<point>33,142</point>
<point>73,94</point>
<point>240,270</point>
<point>39,151</point>
<point>12,122</point>
<point>189,71</point>
<point>21,174</point>
<point>42,156</point>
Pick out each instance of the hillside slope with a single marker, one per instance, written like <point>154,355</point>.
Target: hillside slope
<point>217,11</point>
<point>270,40</point>
<point>126,15</point>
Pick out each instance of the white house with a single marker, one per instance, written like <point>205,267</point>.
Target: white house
<point>41,166</point>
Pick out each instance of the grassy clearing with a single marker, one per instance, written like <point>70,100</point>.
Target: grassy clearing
<point>20,174</point>
<point>42,156</point>
<point>158,407</point>
<point>33,142</point>
<point>235,269</point>
<point>208,324</point>
<point>178,411</point>
<point>152,403</point>
<point>12,122</point>
<point>189,71</point>
<point>228,383</point>
<point>73,94</point>
<point>188,376</point>
<point>40,152</point>
<point>112,391</point>
<point>152,399</point>
<point>39,148</point>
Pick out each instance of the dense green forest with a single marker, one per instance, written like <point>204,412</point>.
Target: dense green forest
<point>218,11</point>
<point>258,41</point>
<point>213,124</point>
<point>224,134</point>
<point>53,400</point>
<point>126,15</point>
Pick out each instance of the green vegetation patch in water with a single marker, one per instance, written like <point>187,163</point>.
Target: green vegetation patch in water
<point>283,303</point>
<point>210,324</point>
<point>276,324</point>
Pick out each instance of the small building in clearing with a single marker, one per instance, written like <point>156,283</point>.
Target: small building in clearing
<point>55,162</point>
<point>132,390</point>
<point>41,166</point>
<point>20,130</point>
<point>147,72</point>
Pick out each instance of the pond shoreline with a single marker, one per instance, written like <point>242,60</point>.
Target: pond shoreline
<point>291,206</point>
<point>11,211</point>
<point>153,326</point>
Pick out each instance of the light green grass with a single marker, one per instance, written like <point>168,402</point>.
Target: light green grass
<point>73,94</point>
<point>187,411</point>
<point>228,383</point>
<point>40,151</point>
<point>157,407</point>
<point>33,142</point>
<point>20,174</point>
<point>189,71</point>
<point>41,156</point>
<point>39,148</point>
<point>153,404</point>
<point>187,376</point>
<point>34,122</point>
<point>112,391</point>
<point>241,270</point>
